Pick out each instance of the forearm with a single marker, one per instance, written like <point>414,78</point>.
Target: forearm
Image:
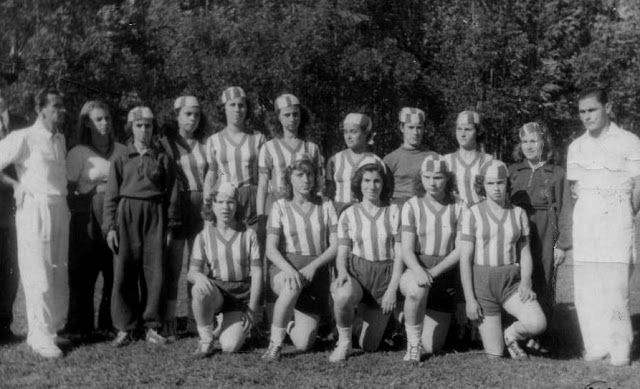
<point>195,272</point>
<point>326,257</point>
<point>635,195</point>
<point>466,275</point>
<point>448,263</point>
<point>341,259</point>
<point>398,267</point>
<point>276,258</point>
<point>261,196</point>
<point>209,183</point>
<point>526,263</point>
<point>408,254</point>
<point>8,181</point>
<point>256,287</point>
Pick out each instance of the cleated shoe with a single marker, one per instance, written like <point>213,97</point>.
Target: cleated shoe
<point>273,353</point>
<point>341,352</point>
<point>123,338</point>
<point>154,337</point>
<point>514,348</point>
<point>413,355</point>
<point>204,350</point>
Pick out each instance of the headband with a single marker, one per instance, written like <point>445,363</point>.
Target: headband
<point>494,169</point>
<point>411,116</point>
<point>468,117</point>
<point>286,100</point>
<point>357,120</point>
<point>185,101</point>
<point>434,163</point>
<point>139,113</point>
<point>231,93</point>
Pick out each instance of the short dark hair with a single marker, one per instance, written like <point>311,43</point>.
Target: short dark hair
<point>387,186</point>
<point>41,98</point>
<point>171,130</point>
<point>601,94</point>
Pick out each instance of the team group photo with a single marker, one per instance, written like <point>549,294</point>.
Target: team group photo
<point>331,194</point>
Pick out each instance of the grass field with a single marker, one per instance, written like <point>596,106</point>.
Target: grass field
<point>142,365</point>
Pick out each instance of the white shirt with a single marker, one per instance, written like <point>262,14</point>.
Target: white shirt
<point>39,159</point>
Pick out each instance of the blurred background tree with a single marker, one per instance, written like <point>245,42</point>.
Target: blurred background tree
<point>513,61</point>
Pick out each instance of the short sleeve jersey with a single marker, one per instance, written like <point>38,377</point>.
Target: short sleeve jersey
<point>303,232</point>
<point>276,155</point>
<point>228,260</point>
<point>235,162</point>
<point>405,166</point>
<point>89,169</point>
<point>495,236</point>
<point>190,160</point>
<point>466,173</point>
<point>434,224</point>
<point>371,237</point>
<point>340,170</point>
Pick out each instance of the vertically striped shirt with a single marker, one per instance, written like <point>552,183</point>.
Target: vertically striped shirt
<point>495,236</point>
<point>228,260</point>
<point>276,155</point>
<point>303,232</point>
<point>465,174</point>
<point>191,162</point>
<point>340,170</point>
<point>435,225</point>
<point>371,237</point>
<point>235,162</point>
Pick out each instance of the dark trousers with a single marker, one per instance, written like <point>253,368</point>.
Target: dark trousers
<point>9,276</point>
<point>88,257</point>
<point>138,271</point>
<point>541,241</point>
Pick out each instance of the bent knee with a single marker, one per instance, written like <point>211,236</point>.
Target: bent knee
<point>231,344</point>
<point>343,296</point>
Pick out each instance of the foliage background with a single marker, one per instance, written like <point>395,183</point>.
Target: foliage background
<point>513,61</point>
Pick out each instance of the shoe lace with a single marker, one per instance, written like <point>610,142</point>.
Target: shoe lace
<point>414,352</point>
<point>274,350</point>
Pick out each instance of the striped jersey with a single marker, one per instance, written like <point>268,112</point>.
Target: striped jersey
<point>276,155</point>
<point>191,163</point>
<point>235,162</point>
<point>340,169</point>
<point>495,236</point>
<point>228,260</point>
<point>303,232</point>
<point>435,225</point>
<point>371,237</point>
<point>466,173</point>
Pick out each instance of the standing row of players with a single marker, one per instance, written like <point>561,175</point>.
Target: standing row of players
<point>374,227</point>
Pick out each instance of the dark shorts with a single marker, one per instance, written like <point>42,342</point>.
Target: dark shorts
<point>493,285</point>
<point>373,277</point>
<point>191,215</point>
<point>247,199</point>
<point>442,294</point>
<point>236,294</point>
<point>314,298</point>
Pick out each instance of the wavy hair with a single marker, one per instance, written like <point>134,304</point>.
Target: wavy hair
<point>387,185</point>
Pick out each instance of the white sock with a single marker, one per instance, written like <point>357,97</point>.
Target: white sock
<point>206,333</point>
<point>278,334</point>
<point>345,334</point>
<point>512,333</point>
<point>414,333</point>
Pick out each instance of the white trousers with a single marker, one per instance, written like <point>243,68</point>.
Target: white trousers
<point>602,303</point>
<point>42,225</point>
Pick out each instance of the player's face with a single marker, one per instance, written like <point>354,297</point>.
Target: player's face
<point>100,124</point>
<point>532,145</point>
<point>434,183</point>
<point>302,181</point>
<point>188,119</point>
<point>466,135</point>
<point>355,138</point>
<point>593,114</point>
<point>52,114</point>
<point>142,131</point>
<point>235,111</point>
<point>371,186</point>
<point>290,118</point>
<point>224,207</point>
<point>496,189</point>
<point>412,134</point>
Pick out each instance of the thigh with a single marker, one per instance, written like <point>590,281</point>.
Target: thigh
<point>374,324</point>
<point>523,311</point>
<point>306,322</point>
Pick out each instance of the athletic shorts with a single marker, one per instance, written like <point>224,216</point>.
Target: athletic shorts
<point>373,277</point>
<point>190,203</point>
<point>493,285</point>
<point>247,199</point>
<point>442,294</point>
<point>314,298</point>
<point>235,294</point>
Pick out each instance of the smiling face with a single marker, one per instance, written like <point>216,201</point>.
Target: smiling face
<point>142,131</point>
<point>355,137</point>
<point>593,114</point>
<point>532,146</point>
<point>290,118</point>
<point>412,134</point>
<point>224,207</point>
<point>466,135</point>
<point>371,186</point>
<point>496,189</point>
<point>235,111</point>
<point>188,119</point>
<point>434,183</point>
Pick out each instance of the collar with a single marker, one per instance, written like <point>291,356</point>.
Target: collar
<point>41,130</point>
<point>524,165</point>
<point>132,151</point>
